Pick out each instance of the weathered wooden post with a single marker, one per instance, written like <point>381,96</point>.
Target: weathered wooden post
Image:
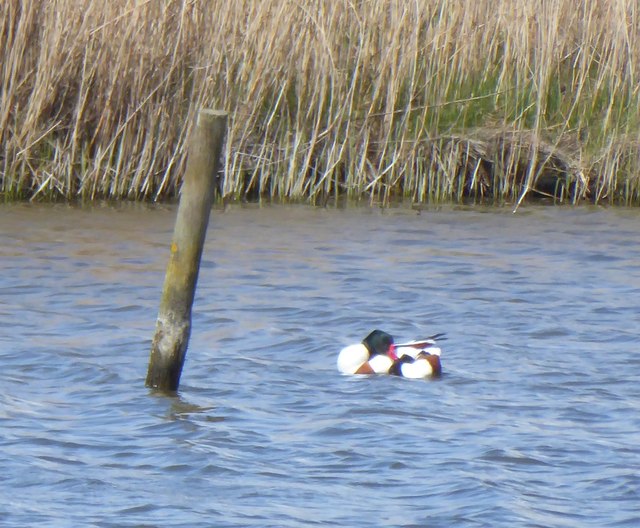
<point>169,346</point>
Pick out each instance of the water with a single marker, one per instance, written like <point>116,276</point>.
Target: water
<point>535,423</point>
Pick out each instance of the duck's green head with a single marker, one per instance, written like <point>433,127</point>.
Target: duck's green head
<point>378,343</point>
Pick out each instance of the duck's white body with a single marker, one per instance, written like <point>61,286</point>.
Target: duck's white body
<point>425,364</point>
<point>413,359</point>
<point>352,358</point>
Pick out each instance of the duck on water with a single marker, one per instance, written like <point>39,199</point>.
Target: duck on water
<point>378,354</point>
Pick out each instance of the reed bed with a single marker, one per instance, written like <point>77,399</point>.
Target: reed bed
<point>428,100</point>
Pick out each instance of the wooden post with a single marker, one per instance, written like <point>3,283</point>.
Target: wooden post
<point>169,346</point>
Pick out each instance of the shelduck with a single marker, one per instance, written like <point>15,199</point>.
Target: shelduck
<point>378,354</point>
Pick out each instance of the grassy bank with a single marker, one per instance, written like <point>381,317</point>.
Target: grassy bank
<point>432,100</point>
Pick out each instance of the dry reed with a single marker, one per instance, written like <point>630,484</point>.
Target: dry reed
<point>432,100</point>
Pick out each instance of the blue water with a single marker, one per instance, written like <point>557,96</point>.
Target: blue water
<point>535,422</point>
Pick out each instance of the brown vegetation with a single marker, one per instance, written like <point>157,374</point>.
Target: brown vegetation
<point>431,100</point>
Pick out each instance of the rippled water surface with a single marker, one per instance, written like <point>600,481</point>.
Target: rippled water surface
<point>536,421</point>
